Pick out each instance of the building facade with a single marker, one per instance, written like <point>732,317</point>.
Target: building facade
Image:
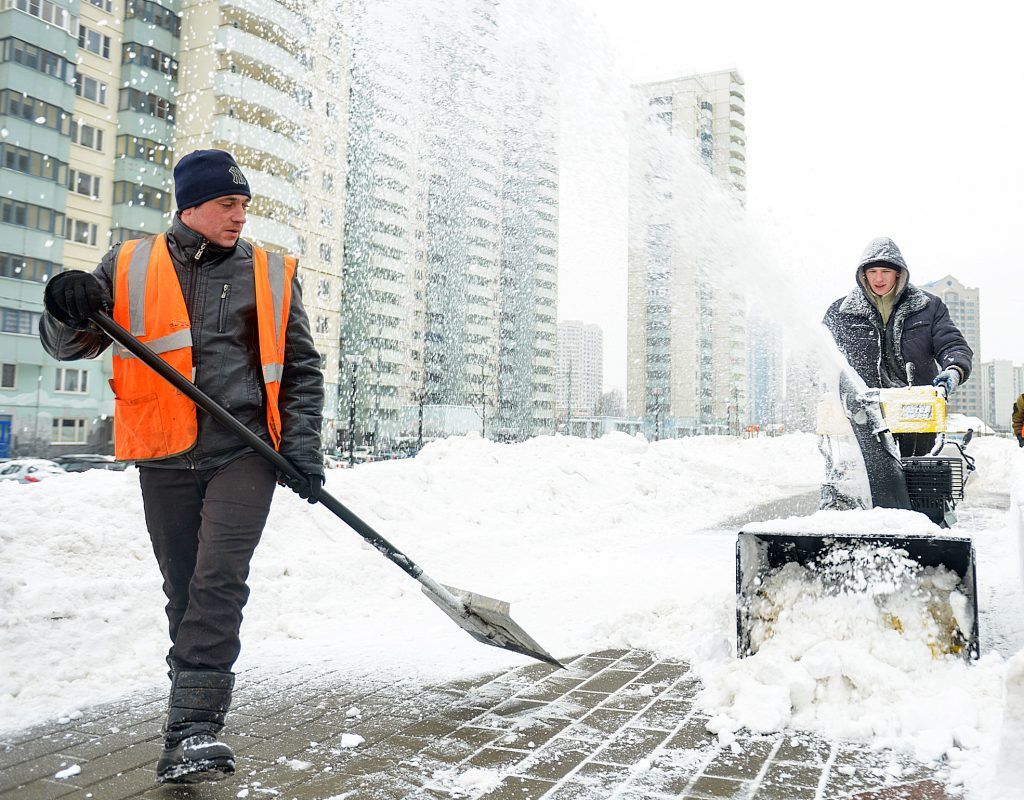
<point>964,304</point>
<point>579,378</point>
<point>686,337</point>
<point>1000,382</point>
<point>99,99</point>
<point>765,402</point>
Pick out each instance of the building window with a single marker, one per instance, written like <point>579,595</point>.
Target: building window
<point>327,181</point>
<point>87,135</point>
<point>44,10</point>
<point>146,56</point>
<point>36,58</point>
<point>91,89</point>
<point>26,268</point>
<point>15,320</point>
<point>8,376</point>
<point>143,103</point>
<point>27,215</point>
<point>104,4</point>
<point>76,230</point>
<point>83,183</point>
<point>323,325</point>
<point>68,430</point>
<point>326,217</point>
<point>139,194</point>
<point>70,379</point>
<point>93,41</point>
<point>19,105</point>
<point>323,289</point>
<point>144,150</point>
<point>38,165</point>
<point>148,11</point>
<point>325,252</point>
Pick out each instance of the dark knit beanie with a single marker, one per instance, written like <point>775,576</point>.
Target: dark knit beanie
<point>206,175</point>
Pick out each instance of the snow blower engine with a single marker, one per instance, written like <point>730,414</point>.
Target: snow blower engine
<point>932,484</point>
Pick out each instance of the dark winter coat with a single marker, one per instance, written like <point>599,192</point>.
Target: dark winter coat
<point>919,331</point>
<point>1017,417</point>
<point>219,289</point>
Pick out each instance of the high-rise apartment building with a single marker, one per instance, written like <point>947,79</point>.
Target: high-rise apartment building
<point>686,339</point>
<point>765,402</point>
<point>60,65</point>
<point>268,82</point>
<point>98,99</point>
<point>451,233</point>
<point>964,307</point>
<point>579,378</point>
<point>1001,383</point>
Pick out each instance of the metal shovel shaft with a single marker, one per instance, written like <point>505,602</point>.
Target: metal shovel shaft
<point>485,624</point>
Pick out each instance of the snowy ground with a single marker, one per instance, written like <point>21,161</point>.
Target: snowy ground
<point>609,543</point>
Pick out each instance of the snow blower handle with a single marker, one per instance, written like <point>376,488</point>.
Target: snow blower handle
<point>211,407</point>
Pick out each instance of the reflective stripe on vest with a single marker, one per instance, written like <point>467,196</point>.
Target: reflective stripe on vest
<point>152,419</point>
<point>274,273</point>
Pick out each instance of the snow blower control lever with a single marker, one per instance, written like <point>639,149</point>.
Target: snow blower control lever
<point>485,619</point>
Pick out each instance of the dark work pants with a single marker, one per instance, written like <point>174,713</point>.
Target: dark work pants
<point>205,525</point>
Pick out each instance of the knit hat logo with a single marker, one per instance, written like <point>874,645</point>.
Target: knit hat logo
<point>237,176</point>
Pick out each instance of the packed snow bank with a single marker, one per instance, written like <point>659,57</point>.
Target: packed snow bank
<point>577,534</point>
<point>610,543</point>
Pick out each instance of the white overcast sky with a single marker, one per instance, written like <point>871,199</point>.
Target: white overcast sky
<point>900,118</point>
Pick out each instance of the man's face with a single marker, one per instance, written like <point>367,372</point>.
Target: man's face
<point>220,220</point>
<point>881,279</point>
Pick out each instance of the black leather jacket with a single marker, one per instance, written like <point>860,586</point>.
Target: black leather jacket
<point>219,290</point>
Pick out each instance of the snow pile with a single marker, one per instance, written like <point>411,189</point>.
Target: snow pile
<point>575,533</point>
<point>616,542</point>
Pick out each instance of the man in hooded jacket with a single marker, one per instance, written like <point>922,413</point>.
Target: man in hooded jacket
<point>894,334</point>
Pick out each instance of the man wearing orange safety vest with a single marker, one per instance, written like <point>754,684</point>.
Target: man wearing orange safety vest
<point>229,316</point>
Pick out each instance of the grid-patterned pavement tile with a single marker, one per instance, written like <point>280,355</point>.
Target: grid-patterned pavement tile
<point>615,723</point>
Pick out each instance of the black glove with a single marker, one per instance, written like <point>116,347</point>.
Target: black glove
<point>307,487</point>
<point>1020,441</point>
<point>74,296</point>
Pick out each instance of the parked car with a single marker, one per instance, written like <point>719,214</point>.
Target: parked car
<point>80,462</point>
<point>29,470</point>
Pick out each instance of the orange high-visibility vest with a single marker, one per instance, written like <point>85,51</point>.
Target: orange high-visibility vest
<point>152,419</point>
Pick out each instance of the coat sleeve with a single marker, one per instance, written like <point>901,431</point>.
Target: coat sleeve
<point>1017,416</point>
<point>65,343</point>
<point>302,391</point>
<point>949,345</point>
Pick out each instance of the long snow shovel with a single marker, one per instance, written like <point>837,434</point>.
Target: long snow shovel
<point>485,619</point>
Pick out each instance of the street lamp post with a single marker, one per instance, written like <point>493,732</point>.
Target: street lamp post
<point>353,363</point>
<point>421,398</point>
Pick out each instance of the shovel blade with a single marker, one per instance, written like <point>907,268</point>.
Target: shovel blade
<point>487,620</point>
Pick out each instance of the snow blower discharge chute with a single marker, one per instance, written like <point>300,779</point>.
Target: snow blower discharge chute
<point>939,571</point>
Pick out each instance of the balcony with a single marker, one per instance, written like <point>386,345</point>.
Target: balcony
<point>233,40</point>
<point>274,187</point>
<point>737,120</point>
<point>242,87</point>
<point>270,232</point>
<point>274,13</point>
<point>234,131</point>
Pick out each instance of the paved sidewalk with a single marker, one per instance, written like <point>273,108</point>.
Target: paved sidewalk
<point>614,724</point>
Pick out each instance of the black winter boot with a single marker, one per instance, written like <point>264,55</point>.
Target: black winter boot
<point>200,700</point>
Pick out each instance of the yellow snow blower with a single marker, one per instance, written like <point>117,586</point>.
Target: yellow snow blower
<point>932,485</point>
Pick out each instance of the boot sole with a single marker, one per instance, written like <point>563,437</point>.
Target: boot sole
<point>198,772</point>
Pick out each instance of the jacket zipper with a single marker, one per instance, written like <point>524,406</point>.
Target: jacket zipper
<point>222,319</point>
<point>194,294</point>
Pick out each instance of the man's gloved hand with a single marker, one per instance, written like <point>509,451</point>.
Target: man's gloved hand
<point>948,380</point>
<point>307,487</point>
<point>74,296</point>
<point>1020,441</point>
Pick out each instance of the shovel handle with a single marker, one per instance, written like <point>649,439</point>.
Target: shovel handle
<point>214,409</point>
